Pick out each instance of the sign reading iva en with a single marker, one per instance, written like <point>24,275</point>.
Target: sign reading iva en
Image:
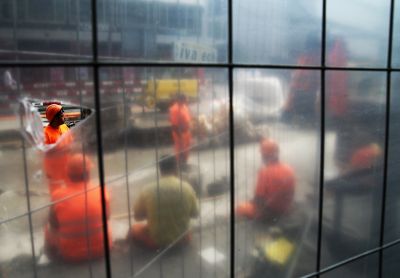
<point>192,52</point>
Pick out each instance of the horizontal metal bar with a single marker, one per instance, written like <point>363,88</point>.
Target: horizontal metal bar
<point>189,65</point>
<point>352,259</point>
<point>342,263</point>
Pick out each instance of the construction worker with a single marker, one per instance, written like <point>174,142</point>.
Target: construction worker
<point>56,132</point>
<point>56,127</point>
<point>366,157</point>
<point>275,187</point>
<point>337,102</point>
<point>304,85</point>
<point>75,229</point>
<point>180,118</point>
<point>167,206</point>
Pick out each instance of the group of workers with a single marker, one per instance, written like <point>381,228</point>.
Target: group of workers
<point>163,209</point>
<point>74,231</point>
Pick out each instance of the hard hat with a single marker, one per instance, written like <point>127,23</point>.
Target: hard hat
<point>52,110</point>
<point>78,165</point>
<point>365,157</point>
<point>269,147</point>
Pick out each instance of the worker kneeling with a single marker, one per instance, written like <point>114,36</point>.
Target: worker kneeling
<point>275,187</point>
<point>75,229</point>
<point>167,206</point>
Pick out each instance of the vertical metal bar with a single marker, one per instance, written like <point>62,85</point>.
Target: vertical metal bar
<point>213,12</point>
<point>245,173</point>
<point>200,190</point>
<point>77,77</point>
<point>86,216</point>
<point>180,166</point>
<point>232,141</point>
<point>54,11</point>
<point>196,23</point>
<point>78,24</point>
<point>227,208</point>
<point>253,231</point>
<point>28,201</point>
<point>128,194</point>
<point>214,175</point>
<point>387,137</point>
<point>154,80</point>
<point>322,138</point>
<point>99,137</point>
<point>15,14</point>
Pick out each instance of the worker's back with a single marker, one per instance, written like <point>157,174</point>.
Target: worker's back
<point>276,185</point>
<point>169,205</point>
<point>79,222</point>
<point>180,116</point>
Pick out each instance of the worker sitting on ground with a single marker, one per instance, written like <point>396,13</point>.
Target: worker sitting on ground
<point>167,206</point>
<point>75,229</point>
<point>180,118</point>
<point>360,173</point>
<point>275,187</point>
<point>55,158</point>
<point>366,157</point>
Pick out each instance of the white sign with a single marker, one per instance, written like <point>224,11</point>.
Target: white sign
<point>191,52</point>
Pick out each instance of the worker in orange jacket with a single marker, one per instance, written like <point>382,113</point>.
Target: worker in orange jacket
<point>180,118</point>
<point>301,103</point>
<point>366,157</point>
<point>75,229</point>
<point>56,133</point>
<point>275,187</point>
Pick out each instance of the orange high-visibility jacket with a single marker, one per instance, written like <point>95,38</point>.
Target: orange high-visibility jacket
<point>276,185</point>
<point>180,118</point>
<point>51,134</point>
<point>79,231</point>
<point>305,80</point>
<point>55,160</point>
<point>337,81</point>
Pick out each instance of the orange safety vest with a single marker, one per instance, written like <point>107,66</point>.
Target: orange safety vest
<point>51,134</point>
<point>79,235</point>
<point>54,161</point>
<point>306,80</point>
<point>180,118</point>
<point>276,185</point>
<point>337,82</point>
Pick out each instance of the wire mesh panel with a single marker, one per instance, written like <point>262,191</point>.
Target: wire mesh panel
<point>356,181</point>
<point>396,34</point>
<point>15,263</point>
<point>390,259</point>
<point>366,42</point>
<point>276,179</point>
<point>365,267</point>
<point>46,30</point>
<point>196,138</point>
<point>141,108</point>
<point>54,198</point>
<point>163,31</point>
<point>392,209</point>
<point>277,32</point>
